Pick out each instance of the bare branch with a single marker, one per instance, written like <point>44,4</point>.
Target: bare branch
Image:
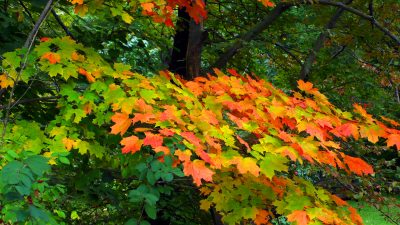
<point>319,43</point>
<point>251,34</point>
<point>60,22</point>
<point>363,16</point>
<point>30,100</point>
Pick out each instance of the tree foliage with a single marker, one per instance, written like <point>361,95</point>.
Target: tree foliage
<point>96,130</point>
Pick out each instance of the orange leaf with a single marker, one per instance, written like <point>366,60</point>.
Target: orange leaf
<point>358,109</point>
<point>338,200</point>
<point>267,3</point>
<point>148,6</point>
<point>357,165</point>
<point>372,133</point>
<point>394,139</point>
<point>52,57</point>
<point>346,130</point>
<point>162,149</point>
<point>198,170</point>
<point>154,140</point>
<point>298,216</point>
<point>79,2</point>
<point>184,156</point>
<point>355,216</point>
<point>44,39</point>
<point>191,137</point>
<point>247,164</point>
<point>262,217</point>
<point>132,144</point>
<point>304,86</point>
<point>122,123</point>
<point>68,143</point>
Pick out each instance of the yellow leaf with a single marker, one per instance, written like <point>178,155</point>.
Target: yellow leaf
<point>127,18</point>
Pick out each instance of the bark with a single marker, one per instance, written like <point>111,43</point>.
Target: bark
<point>319,43</point>
<point>193,53</point>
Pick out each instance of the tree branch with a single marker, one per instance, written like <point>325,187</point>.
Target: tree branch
<point>289,52</point>
<point>60,22</point>
<point>30,100</point>
<point>319,43</point>
<point>33,33</point>
<point>250,34</point>
<point>362,15</point>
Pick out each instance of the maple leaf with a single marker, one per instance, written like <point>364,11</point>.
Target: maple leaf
<point>267,3</point>
<point>191,137</point>
<point>198,170</point>
<point>305,86</point>
<point>122,123</point>
<point>52,57</point>
<point>346,130</point>
<point>355,217</point>
<point>394,123</point>
<point>44,39</point>
<point>338,200</point>
<point>362,112</point>
<point>79,2</point>
<point>357,165</point>
<point>183,156</point>
<point>262,217</point>
<point>68,143</point>
<point>372,133</point>
<point>394,139</point>
<point>148,6</point>
<point>5,81</point>
<point>154,140</point>
<point>298,216</point>
<point>247,164</point>
<point>131,144</point>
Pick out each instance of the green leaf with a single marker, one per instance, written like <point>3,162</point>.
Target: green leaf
<point>271,163</point>
<point>10,174</point>
<point>151,211</point>
<point>64,160</point>
<point>38,164</point>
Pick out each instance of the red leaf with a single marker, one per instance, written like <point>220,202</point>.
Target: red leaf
<point>154,140</point>
<point>346,130</point>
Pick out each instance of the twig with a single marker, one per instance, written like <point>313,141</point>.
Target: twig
<point>24,101</point>
<point>28,45</point>
<point>60,22</point>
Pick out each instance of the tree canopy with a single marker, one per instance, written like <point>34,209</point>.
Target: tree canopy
<point>198,112</point>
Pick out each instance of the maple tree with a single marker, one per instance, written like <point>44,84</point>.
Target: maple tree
<point>237,137</point>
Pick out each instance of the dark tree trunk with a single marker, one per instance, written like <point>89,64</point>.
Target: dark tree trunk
<point>181,39</point>
<point>186,53</point>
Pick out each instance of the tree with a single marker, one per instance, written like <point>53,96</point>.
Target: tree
<point>122,142</point>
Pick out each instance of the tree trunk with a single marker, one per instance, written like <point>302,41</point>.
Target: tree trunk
<point>188,42</point>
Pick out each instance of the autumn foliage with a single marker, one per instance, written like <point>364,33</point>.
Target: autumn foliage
<point>236,136</point>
